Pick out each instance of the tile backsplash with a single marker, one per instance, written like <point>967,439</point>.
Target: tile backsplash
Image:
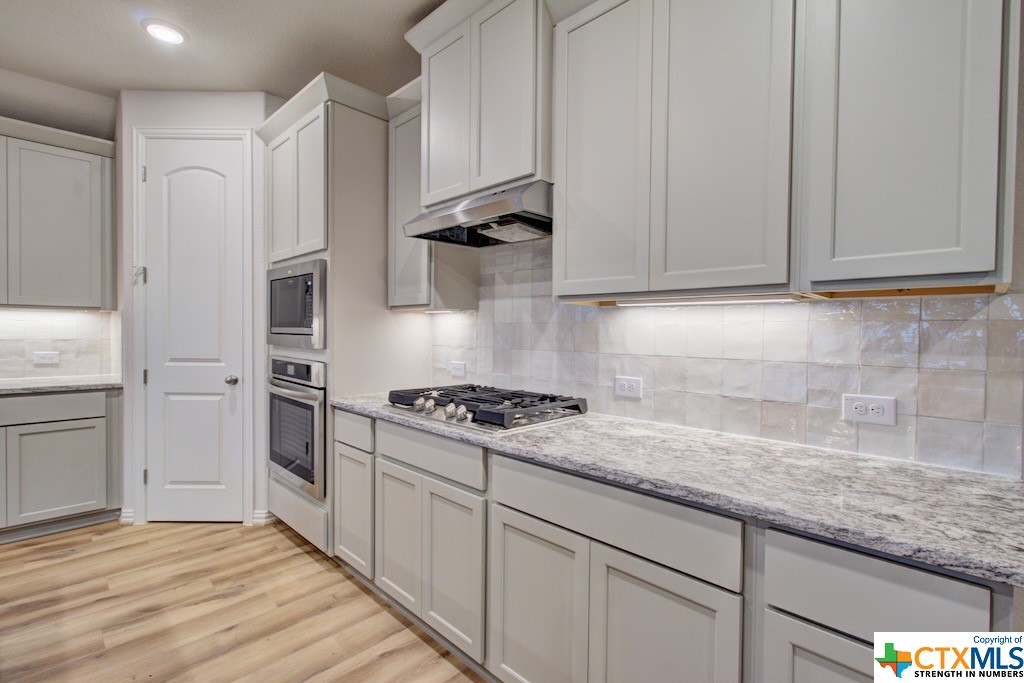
<point>89,342</point>
<point>955,365</point>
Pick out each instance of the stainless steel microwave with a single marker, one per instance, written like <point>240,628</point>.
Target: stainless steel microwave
<point>296,304</point>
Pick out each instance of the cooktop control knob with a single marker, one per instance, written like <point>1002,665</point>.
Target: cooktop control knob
<point>429,406</point>
<point>449,411</point>
<point>460,413</point>
<point>418,404</point>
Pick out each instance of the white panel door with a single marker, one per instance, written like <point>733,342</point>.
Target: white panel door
<point>897,136</point>
<point>503,41</point>
<point>397,533</point>
<point>196,209</point>
<point>311,182</point>
<point>797,652</point>
<point>56,469</point>
<point>648,623</point>
<point>454,526</point>
<point>54,225</point>
<point>602,138</point>
<point>538,600</point>
<point>353,507</point>
<point>446,74</point>
<point>721,143</point>
<point>408,257</point>
<point>281,197</point>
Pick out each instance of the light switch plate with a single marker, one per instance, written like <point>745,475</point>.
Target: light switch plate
<point>878,410</point>
<point>46,358</point>
<point>457,368</point>
<point>630,387</point>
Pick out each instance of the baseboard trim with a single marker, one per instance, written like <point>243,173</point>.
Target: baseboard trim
<point>263,517</point>
<point>127,516</point>
<point>56,526</point>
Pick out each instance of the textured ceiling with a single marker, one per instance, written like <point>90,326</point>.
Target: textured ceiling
<point>276,46</point>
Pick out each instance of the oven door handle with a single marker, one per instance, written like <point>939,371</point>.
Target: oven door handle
<point>309,396</point>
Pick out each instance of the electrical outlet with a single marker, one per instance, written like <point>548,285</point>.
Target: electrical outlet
<point>46,358</point>
<point>630,387</point>
<point>879,410</point>
<point>457,368</point>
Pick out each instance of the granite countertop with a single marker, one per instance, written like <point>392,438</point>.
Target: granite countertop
<point>43,385</point>
<point>961,521</point>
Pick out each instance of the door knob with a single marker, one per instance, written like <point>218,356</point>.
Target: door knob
<point>231,379</point>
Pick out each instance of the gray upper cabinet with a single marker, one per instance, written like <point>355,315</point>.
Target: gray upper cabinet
<point>58,207</point>
<point>408,258</point>
<point>721,141</point>
<point>602,149</point>
<point>897,132</point>
<point>486,113</point>
<point>297,187</point>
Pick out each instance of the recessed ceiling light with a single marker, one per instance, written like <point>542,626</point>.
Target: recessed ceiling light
<point>164,32</point>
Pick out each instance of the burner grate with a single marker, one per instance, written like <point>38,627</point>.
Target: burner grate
<point>490,405</point>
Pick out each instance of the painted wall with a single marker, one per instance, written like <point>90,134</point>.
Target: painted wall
<point>956,365</point>
<point>89,342</point>
<point>51,104</point>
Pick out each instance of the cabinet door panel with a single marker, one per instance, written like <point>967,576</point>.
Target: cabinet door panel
<point>721,141</point>
<point>503,93</point>
<point>539,577</point>
<point>311,183</point>
<point>446,115</point>
<point>602,135</point>
<point>397,539</point>
<point>353,507</point>
<point>898,136</point>
<point>408,257</point>
<point>281,175</point>
<point>648,623</point>
<point>796,652</point>
<point>3,220</point>
<point>54,226</point>
<point>56,469</point>
<point>453,565</point>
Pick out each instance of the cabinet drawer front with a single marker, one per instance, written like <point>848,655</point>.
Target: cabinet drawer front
<point>355,430</point>
<point>859,594</point>
<point>455,460</point>
<point>15,410</point>
<point>309,520</point>
<point>665,532</point>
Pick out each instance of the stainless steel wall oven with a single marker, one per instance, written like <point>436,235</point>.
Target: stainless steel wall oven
<point>297,423</point>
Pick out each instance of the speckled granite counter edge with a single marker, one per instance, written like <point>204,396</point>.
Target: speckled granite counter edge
<point>46,385</point>
<point>986,568</point>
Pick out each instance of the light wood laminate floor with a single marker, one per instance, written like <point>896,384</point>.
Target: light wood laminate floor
<point>199,602</point>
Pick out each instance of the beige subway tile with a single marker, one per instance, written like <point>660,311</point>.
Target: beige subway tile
<point>825,428</point>
<point>1005,346</point>
<point>742,379</point>
<point>670,373</point>
<point>890,343</point>
<point>785,341</point>
<point>784,382</point>
<point>743,340</point>
<point>953,345</point>
<point>849,309</point>
<point>891,309</point>
<point>900,383</point>
<point>741,416</point>
<point>670,406</point>
<point>704,376</point>
<point>669,338</point>
<point>1004,398</point>
<point>1006,307</point>
<point>1002,450</point>
<point>585,337</point>
<point>784,421</point>
<point>954,394</point>
<point>704,339</point>
<point>950,443</point>
<point>898,441</point>
<point>954,308</point>
<point>703,411</point>
<point>835,342</point>
<point>826,384</point>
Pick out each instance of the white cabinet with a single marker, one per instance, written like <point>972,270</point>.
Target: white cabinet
<point>57,209</point>
<point>797,652</point>
<point>898,136</point>
<point>422,275</point>
<point>429,548</point>
<point>721,143</point>
<point>602,149</point>
<point>648,623</point>
<point>55,469</point>
<point>539,595</point>
<point>485,103</point>
<point>296,187</point>
<point>353,507</point>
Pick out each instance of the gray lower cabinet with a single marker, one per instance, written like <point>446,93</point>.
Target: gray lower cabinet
<point>55,469</point>
<point>649,623</point>
<point>797,652</point>
<point>539,595</point>
<point>429,552</point>
<point>353,507</point>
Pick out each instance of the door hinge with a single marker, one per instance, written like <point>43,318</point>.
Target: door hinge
<point>145,376</point>
<point>145,476</point>
<point>143,174</point>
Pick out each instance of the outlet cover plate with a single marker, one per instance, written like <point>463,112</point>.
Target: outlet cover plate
<point>457,368</point>
<point>630,387</point>
<point>46,358</point>
<point>877,410</point>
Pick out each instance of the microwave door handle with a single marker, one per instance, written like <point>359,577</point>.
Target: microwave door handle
<point>291,393</point>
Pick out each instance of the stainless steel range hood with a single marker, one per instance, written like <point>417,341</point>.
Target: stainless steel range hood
<point>514,215</point>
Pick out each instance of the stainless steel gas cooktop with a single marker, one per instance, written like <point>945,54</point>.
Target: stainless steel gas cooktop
<point>487,409</point>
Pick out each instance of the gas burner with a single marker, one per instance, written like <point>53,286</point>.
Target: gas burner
<point>489,408</point>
